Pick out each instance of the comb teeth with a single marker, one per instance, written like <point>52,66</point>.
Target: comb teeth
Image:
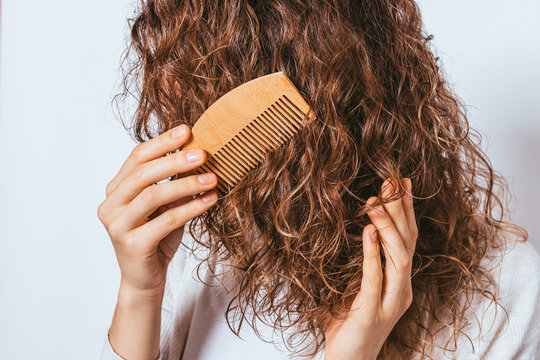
<point>246,150</point>
<point>241,127</point>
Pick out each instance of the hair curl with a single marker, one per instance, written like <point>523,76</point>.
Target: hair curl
<point>290,232</point>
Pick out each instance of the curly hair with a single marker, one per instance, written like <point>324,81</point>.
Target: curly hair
<point>290,231</point>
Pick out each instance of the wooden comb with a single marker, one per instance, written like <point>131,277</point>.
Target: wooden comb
<point>243,125</point>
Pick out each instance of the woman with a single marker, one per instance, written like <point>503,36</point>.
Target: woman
<point>379,231</point>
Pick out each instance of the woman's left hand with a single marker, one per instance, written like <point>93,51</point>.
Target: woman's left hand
<point>383,297</point>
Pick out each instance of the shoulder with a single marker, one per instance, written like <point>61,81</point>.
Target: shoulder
<point>521,255</point>
<point>516,270</point>
<point>508,327</point>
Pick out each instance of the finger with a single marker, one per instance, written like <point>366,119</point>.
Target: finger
<point>147,174</point>
<point>150,150</point>
<point>170,243</point>
<point>398,262</point>
<point>392,243</point>
<point>408,208</point>
<point>153,197</point>
<point>395,209</point>
<point>372,275</point>
<point>158,228</point>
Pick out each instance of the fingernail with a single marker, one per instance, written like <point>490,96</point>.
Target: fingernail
<point>205,178</point>
<point>209,197</point>
<point>194,155</point>
<point>179,132</point>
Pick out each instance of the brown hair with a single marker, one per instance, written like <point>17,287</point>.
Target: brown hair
<point>290,232</point>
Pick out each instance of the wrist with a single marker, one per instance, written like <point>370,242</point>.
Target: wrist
<point>129,294</point>
<point>134,331</point>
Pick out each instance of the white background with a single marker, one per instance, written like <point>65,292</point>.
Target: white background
<point>60,144</point>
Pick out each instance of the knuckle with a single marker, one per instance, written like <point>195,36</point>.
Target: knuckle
<point>109,188</point>
<point>136,153</point>
<point>410,251</point>
<point>130,242</point>
<point>401,261</point>
<point>148,195</point>
<point>115,230</point>
<point>184,184</point>
<point>407,297</point>
<point>176,159</point>
<point>170,219</point>
<point>414,232</point>
<point>131,245</point>
<point>195,207</point>
<point>190,184</point>
<point>138,173</point>
<point>102,211</point>
<point>402,264</point>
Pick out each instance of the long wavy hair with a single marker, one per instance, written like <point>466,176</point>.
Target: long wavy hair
<point>290,231</point>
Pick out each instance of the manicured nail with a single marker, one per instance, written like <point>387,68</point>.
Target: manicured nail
<point>179,132</point>
<point>205,178</point>
<point>209,197</point>
<point>194,155</point>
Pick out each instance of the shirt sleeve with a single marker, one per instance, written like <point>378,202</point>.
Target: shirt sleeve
<point>511,330</point>
<point>108,353</point>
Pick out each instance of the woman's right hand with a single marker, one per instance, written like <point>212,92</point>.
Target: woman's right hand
<point>144,220</point>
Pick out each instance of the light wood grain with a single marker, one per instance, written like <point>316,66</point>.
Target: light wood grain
<point>243,125</point>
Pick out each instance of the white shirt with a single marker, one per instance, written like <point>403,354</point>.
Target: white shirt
<point>194,328</point>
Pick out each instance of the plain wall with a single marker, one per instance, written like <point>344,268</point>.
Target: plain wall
<point>60,144</point>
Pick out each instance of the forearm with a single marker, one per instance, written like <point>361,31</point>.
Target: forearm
<point>135,329</point>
